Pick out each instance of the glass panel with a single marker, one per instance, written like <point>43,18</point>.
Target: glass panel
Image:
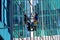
<point>50,15</point>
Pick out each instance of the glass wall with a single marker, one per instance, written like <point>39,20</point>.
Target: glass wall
<point>48,12</point>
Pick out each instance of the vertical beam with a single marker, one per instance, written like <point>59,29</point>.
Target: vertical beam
<point>5,12</point>
<point>32,35</point>
<point>4,5</point>
<point>2,9</point>
<point>31,1</point>
<point>11,17</point>
<point>42,32</point>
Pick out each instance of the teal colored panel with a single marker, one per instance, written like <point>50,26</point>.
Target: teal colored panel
<point>50,33</point>
<point>1,25</point>
<point>18,33</point>
<point>55,4</point>
<point>5,34</point>
<point>58,31</point>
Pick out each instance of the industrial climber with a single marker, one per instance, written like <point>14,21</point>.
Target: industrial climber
<point>35,21</point>
<point>32,20</point>
<point>25,18</point>
<point>27,21</point>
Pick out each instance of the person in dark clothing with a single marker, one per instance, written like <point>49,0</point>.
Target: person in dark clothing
<point>25,18</point>
<point>28,23</point>
<point>36,16</point>
<point>35,21</point>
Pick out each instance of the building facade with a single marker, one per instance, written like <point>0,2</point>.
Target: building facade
<point>48,17</point>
